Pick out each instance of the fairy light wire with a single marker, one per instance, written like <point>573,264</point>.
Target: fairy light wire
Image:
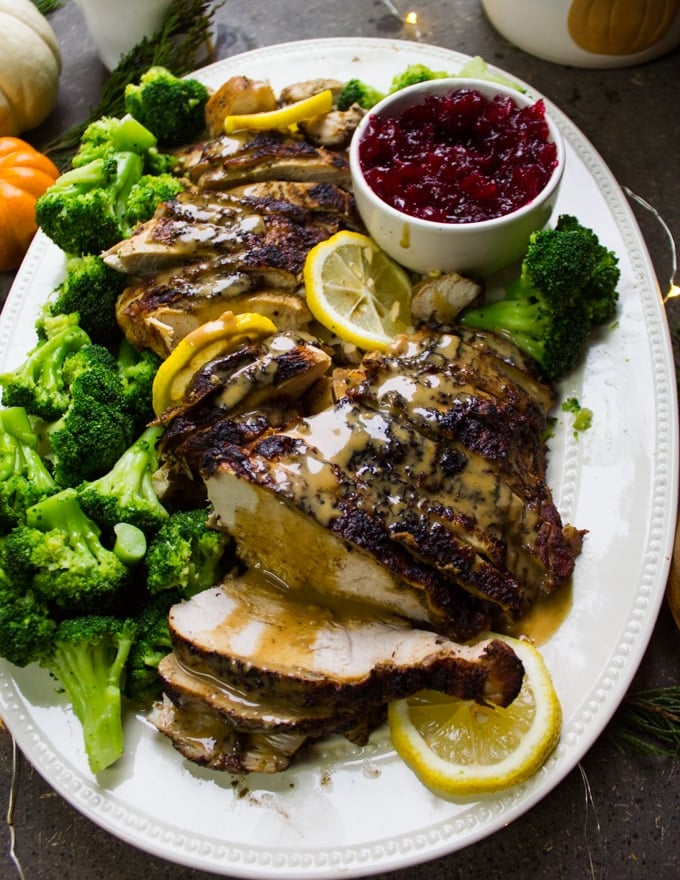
<point>673,289</point>
<point>11,801</point>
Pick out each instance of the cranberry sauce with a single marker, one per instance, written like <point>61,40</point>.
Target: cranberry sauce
<point>459,157</point>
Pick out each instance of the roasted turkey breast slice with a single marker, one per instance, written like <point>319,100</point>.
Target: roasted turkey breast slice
<point>194,691</point>
<point>280,368</point>
<point>452,389</point>
<point>302,201</point>
<point>195,225</point>
<point>270,644</point>
<point>232,160</point>
<point>199,224</point>
<point>438,517</point>
<point>204,738</point>
<point>350,557</point>
<point>158,311</point>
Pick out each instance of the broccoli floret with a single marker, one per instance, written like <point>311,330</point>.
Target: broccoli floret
<point>109,135</point>
<point>89,659</point>
<point>60,556</point>
<point>38,383</point>
<point>172,108</point>
<point>24,478</point>
<point>549,309</point>
<point>151,644</point>
<point>138,368</point>
<point>83,212</point>
<point>126,494</point>
<point>27,629</point>
<point>145,196</point>
<point>186,554</point>
<point>97,426</point>
<point>355,91</point>
<point>416,73</point>
<point>90,290</point>
<point>599,287</point>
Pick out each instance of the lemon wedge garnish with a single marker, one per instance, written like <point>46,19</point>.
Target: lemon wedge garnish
<point>209,341</point>
<point>283,117</point>
<point>459,748</point>
<point>356,291</point>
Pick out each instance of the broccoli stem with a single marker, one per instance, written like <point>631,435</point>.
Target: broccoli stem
<point>18,451</point>
<point>130,544</point>
<point>84,177</point>
<point>129,169</point>
<point>131,136</point>
<point>133,470</point>
<point>92,683</point>
<point>15,422</point>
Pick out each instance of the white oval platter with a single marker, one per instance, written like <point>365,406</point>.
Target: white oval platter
<point>347,811</point>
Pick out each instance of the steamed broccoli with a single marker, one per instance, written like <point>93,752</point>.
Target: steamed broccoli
<point>24,479</point>
<point>599,289</point>
<point>88,659</point>
<point>416,73</point>
<point>172,108</point>
<point>355,91</point>
<point>59,556</point>
<point>145,196</point>
<point>90,290</point>
<point>151,644</point>
<point>186,554</point>
<point>109,135</point>
<point>138,368</point>
<point>27,628</point>
<point>38,383</point>
<point>87,654</point>
<point>567,284</point>
<point>85,210</point>
<point>126,494</point>
<point>97,425</point>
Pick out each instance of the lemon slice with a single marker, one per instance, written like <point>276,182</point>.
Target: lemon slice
<point>282,118</point>
<point>356,291</point>
<point>207,342</point>
<point>457,747</point>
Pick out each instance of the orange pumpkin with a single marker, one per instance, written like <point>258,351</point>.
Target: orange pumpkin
<point>25,174</point>
<point>620,27</point>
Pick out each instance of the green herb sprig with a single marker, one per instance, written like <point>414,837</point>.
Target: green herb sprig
<point>648,722</point>
<point>179,44</point>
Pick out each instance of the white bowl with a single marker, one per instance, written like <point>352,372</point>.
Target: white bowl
<point>476,248</point>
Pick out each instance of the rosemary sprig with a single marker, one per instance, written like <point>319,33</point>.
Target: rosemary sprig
<point>46,6</point>
<point>177,45</point>
<point>649,722</point>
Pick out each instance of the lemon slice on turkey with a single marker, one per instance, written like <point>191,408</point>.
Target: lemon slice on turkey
<point>356,291</point>
<point>460,748</point>
<point>209,341</point>
<point>283,117</point>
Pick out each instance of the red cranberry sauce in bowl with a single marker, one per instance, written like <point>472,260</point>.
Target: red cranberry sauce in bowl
<point>459,156</point>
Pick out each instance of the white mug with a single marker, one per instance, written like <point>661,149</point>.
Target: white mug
<point>118,25</point>
<point>589,33</point>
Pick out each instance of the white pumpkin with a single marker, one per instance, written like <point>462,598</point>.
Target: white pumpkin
<point>30,65</point>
